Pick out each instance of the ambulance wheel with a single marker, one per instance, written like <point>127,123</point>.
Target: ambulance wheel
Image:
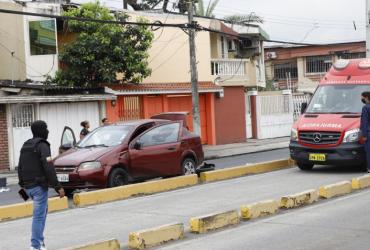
<point>304,166</point>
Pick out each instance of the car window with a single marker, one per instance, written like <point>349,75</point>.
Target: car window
<point>105,136</point>
<point>164,134</point>
<point>141,130</point>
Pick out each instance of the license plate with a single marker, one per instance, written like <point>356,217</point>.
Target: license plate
<point>317,157</point>
<point>63,177</point>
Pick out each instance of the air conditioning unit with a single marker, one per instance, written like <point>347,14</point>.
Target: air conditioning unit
<point>271,55</point>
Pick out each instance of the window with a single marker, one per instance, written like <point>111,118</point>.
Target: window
<point>164,134</point>
<point>42,37</point>
<point>353,55</point>
<point>22,115</point>
<point>318,64</point>
<point>106,136</point>
<point>281,71</point>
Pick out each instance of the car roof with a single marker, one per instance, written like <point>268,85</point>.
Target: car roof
<point>140,122</point>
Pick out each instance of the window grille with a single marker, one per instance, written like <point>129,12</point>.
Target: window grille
<point>281,71</point>
<point>22,115</point>
<point>318,64</point>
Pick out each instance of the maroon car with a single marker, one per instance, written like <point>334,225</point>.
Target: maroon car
<point>126,152</point>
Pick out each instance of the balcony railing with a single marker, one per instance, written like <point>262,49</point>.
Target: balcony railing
<point>229,67</point>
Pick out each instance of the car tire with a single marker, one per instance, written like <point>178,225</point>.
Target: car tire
<point>304,166</point>
<point>117,177</point>
<point>188,166</point>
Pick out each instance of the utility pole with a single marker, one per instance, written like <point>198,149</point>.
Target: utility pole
<point>193,69</point>
<point>367,28</point>
<point>125,4</point>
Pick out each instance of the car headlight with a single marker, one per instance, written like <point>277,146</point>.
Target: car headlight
<point>294,135</point>
<point>352,135</point>
<point>89,165</point>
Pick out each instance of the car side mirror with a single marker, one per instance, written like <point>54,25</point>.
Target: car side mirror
<point>303,107</point>
<point>137,145</point>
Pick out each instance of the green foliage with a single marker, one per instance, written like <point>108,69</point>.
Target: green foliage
<point>244,19</point>
<point>100,51</point>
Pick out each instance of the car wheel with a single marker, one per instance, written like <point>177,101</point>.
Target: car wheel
<point>117,177</point>
<point>188,166</point>
<point>304,166</point>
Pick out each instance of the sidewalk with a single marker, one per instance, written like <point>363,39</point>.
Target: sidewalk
<point>211,152</point>
<point>251,146</point>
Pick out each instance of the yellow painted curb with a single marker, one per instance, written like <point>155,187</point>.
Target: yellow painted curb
<point>20,210</point>
<point>361,182</point>
<point>299,199</point>
<point>123,192</point>
<point>156,236</point>
<point>259,209</point>
<point>336,189</point>
<point>209,222</point>
<point>228,173</point>
<point>111,244</point>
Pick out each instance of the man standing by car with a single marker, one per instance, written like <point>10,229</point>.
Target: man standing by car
<point>365,125</point>
<point>36,172</point>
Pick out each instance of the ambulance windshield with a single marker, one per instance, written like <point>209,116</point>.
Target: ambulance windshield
<point>338,99</point>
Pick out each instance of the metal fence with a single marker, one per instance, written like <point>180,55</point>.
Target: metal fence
<point>275,104</point>
<point>297,104</point>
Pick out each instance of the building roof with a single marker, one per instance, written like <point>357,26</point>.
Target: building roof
<point>161,88</point>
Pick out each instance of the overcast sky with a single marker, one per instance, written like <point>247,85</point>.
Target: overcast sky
<point>312,21</point>
<point>309,21</point>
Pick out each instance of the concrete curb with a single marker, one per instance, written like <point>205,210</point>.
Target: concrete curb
<point>20,210</point>
<point>156,236</point>
<point>259,209</point>
<point>299,199</point>
<point>124,192</point>
<point>361,182</point>
<point>229,173</point>
<point>337,189</point>
<point>205,223</point>
<point>111,244</point>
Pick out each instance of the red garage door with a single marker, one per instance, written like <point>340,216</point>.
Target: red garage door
<point>184,103</point>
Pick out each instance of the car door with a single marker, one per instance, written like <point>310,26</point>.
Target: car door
<point>157,152</point>
<point>68,140</point>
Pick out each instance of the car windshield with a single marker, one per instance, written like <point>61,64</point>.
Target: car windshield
<point>107,136</point>
<point>342,99</point>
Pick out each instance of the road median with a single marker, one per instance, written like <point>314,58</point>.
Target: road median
<point>20,210</point>
<point>299,199</point>
<point>234,172</point>
<point>124,192</point>
<point>203,224</point>
<point>111,244</point>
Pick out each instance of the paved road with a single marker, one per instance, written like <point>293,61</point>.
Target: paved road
<point>12,197</point>
<point>340,224</point>
<point>117,219</point>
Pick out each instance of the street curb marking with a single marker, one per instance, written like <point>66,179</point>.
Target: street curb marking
<point>123,192</point>
<point>361,182</point>
<point>299,199</point>
<point>156,236</point>
<point>229,173</point>
<point>111,244</point>
<point>336,189</point>
<point>259,209</point>
<point>214,221</point>
<point>20,210</point>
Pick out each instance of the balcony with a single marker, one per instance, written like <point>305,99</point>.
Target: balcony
<point>236,72</point>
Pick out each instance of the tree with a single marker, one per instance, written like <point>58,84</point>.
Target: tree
<point>210,8</point>
<point>244,19</point>
<point>101,51</point>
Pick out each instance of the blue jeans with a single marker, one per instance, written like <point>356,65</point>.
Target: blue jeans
<point>39,196</point>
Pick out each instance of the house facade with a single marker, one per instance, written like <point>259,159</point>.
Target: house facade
<point>300,68</point>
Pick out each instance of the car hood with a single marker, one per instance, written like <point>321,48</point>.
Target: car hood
<point>76,156</point>
<point>328,122</point>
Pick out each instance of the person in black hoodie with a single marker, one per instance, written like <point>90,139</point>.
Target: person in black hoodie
<point>36,173</point>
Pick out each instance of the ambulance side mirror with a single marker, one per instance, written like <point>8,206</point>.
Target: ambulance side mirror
<point>303,107</point>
